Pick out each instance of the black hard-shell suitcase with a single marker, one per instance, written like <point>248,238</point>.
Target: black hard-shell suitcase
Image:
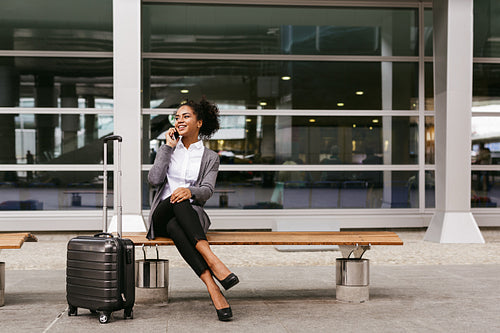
<point>100,273</point>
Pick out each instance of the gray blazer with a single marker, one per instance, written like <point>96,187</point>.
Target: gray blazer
<point>201,191</point>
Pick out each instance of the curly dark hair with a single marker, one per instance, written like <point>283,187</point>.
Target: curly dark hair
<point>208,113</point>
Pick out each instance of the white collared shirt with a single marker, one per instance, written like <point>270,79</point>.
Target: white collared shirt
<point>184,167</point>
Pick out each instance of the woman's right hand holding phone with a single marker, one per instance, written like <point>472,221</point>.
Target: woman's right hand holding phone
<point>171,138</point>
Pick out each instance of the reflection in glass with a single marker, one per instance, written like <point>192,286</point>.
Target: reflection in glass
<point>485,140</point>
<point>279,30</point>
<point>282,84</point>
<point>302,140</point>
<point>486,28</point>
<point>77,25</point>
<point>56,82</point>
<point>54,138</point>
<point>485,188</point>
<point>430,145</point>
<point>54,190</point>
<point>304,189</point>
<point>486,88</point>
<point>429,86</point>
<point>428,33</point>
<point>430,189</point>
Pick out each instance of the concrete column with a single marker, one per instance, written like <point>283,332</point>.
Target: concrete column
<point>127,108</point>
<point>453,221</point>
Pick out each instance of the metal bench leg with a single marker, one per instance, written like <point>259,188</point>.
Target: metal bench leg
<point>353,274</point>
<point>151,283</point>
<point>2,283</point>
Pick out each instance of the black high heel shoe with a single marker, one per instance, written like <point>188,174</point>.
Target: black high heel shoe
<point>230,281</point>
<point>224,314</point>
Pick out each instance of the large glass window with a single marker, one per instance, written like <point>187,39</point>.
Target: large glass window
<point>56,25</point>
<point>485,189</point>
<point>53,190</point>
<point>428,32</point>
<point>56,82</point>
<point>485,140</point>
<point>53,138</point>
<point>304,140</point>
<point>272,59</point>
<point>486,28</point>
<point>486,88</point>
<point>485,152</point>
<point>313,189</point>
<point>283,84</point>
<point>430,141</point>
<point>429,86</point>
<point>430,189</point>
<point>279,30</point>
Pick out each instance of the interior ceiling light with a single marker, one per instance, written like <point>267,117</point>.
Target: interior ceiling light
<point>312,120</point>
<point>249,120</point>
<point>375,121</point>
<point>340,104</point>
<point>359,92</point>
<point>353,125</point>
<point>184,91</point>
<point>263,103</point>
<point>286,78</point>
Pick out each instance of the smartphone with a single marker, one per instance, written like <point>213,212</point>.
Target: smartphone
<point>176,135</point>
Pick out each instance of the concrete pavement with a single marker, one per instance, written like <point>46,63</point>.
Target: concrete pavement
<point>291,297</point>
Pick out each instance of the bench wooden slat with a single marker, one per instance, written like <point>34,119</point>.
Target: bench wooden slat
<point>15,240</point>
<point>283,238</point>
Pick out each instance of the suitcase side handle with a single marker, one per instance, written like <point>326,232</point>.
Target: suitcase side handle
<point>104,234</point>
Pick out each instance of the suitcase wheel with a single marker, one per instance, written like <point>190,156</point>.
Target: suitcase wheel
<point>128,313</point>
<point>104,317</point>
<point>72,310</point>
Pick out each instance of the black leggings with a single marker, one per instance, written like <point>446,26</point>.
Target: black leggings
<point>180,222</point>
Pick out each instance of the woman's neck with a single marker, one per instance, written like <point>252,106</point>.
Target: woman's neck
<point>188,140</point>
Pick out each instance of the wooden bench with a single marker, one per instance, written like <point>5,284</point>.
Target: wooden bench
<point>15,240</point>
<point>352,270</point>
<point>11,241</point>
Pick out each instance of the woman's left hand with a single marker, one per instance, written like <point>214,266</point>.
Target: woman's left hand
<point>180,194</point>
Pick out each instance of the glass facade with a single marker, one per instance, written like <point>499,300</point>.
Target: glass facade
<point>315,190</point>
<point>55,25</point>
<point>283,84</point>
<point>333,103</point>
<point>53,190</point>
<point>486,28</point>
<point>56,103</point>
<point>306,140</point>
<point>245,29</point>
<point>485,147</point>
<point>192,50</point>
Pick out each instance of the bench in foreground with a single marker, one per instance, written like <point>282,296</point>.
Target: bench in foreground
<point>11,241</point>
<point>352,271</point>
<point>15,240</point>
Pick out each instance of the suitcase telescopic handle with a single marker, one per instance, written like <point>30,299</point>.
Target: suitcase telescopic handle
<point>118,174</point>
<point>113,138</point>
